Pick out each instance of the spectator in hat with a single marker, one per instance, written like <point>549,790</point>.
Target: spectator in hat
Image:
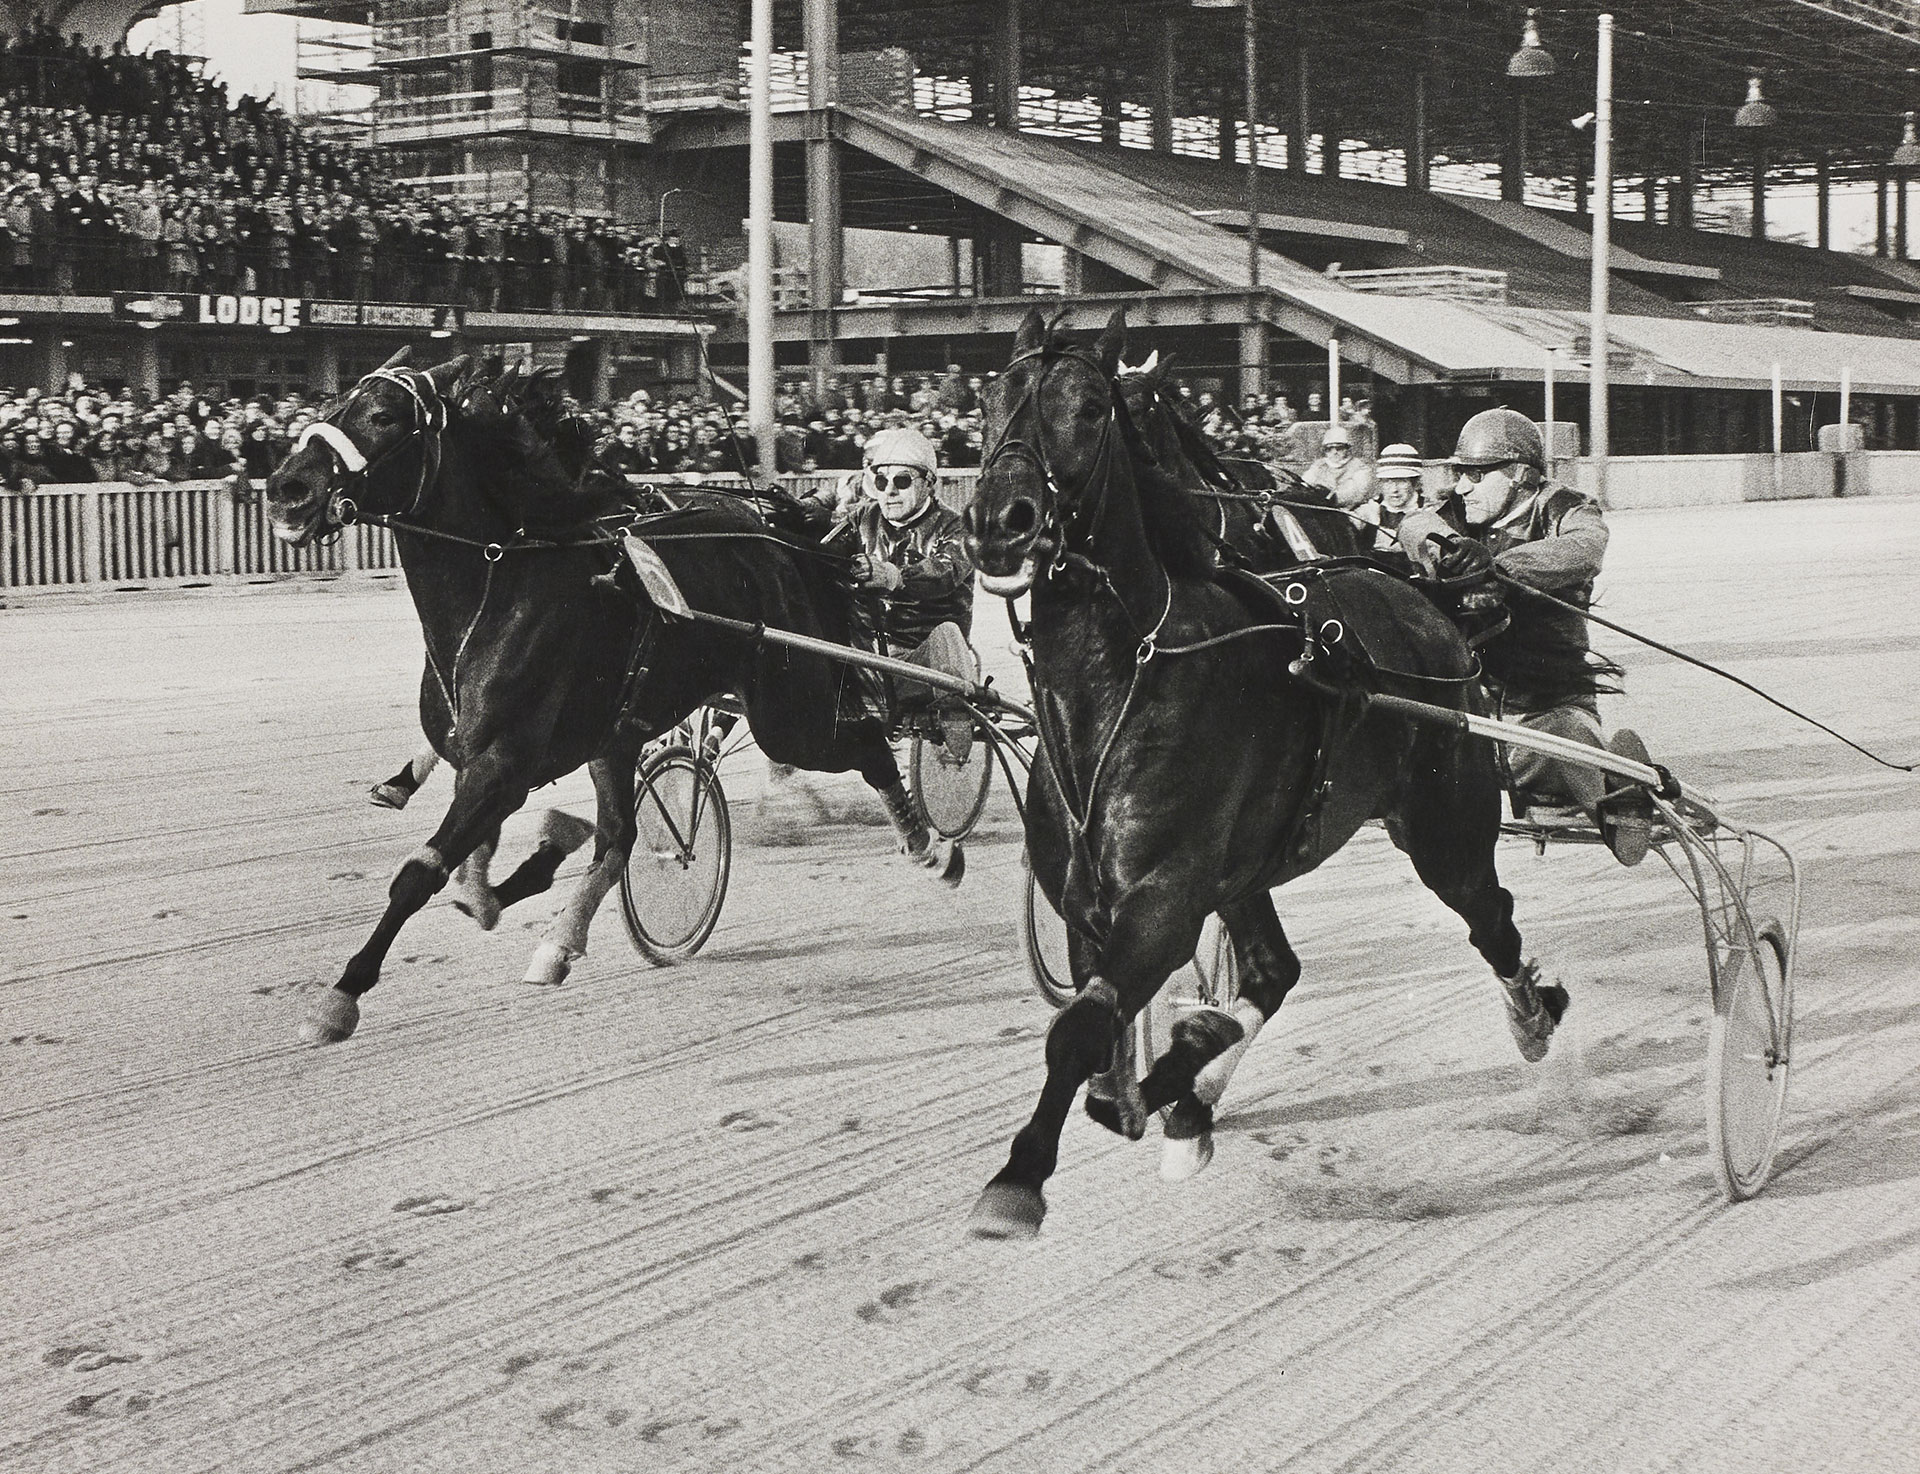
<point>1344,476</point>
<point>1396,477</point>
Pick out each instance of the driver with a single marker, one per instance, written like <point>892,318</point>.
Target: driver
<point>1546,536</point>
<point>911,565</point>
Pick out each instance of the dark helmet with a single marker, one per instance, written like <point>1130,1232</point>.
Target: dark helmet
<point>1495,436</point>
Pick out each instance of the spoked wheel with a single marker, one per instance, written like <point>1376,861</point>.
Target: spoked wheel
<point>1748,1054</point>
<point>676,877</point>
<point>950,790</point>
<point>1215,967</point>
<point>1045,935</point>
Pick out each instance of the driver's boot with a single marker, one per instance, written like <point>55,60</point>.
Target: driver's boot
<point>943,857</point>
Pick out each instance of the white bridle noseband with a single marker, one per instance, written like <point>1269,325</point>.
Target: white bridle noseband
<point>429,415</point>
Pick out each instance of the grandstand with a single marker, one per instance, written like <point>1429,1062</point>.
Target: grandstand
<point>1415,206</point>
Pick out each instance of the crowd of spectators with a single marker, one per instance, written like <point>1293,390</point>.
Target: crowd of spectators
<point>137,173</point>
<point>91,433</point>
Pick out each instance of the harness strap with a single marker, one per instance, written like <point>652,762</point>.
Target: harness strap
<point>336,440</point>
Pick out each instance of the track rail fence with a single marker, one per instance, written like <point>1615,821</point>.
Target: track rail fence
<point>112,534</point>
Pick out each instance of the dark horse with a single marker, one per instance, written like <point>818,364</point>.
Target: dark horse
<point>1183,770</point>
<point>1264,516</point>
<point>538,663</point>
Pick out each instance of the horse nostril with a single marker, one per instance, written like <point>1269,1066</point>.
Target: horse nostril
<point>1021,517</point>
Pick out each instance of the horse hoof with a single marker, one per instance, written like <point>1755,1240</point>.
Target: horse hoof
<point>549,967</point>
<point>1534,1011</point>
<point>1123,1115</point>
<point>1007,1210</point>
<point>335,1018</point>
<point>389,796</point>
<point>482,905</point>
<point>1183,1158</point>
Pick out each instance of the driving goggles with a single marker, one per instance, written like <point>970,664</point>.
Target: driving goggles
<point>902,479</point>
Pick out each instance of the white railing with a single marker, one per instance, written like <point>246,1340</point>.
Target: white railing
<point>113,535</point>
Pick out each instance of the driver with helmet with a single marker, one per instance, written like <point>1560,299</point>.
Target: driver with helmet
<point>1545,536</point>
<point>912,562</point>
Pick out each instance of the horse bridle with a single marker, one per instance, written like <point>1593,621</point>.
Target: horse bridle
<point>1054,520</point>
<point>353,467</point>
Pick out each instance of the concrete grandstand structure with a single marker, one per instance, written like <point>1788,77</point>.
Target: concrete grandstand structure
<point>1415,206</point>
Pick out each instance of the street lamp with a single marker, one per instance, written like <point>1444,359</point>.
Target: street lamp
<point>1907,155</point>
<point>1756,111</point>
<point>1758,116</point>
<point>1250,65</point>
<point>1532,61</point>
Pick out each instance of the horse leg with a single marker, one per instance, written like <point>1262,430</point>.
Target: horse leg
<point>1268,968</point>
<point>488,789</point>
<point>1151,936</point>
<point>1449,828</point>
<point>473,894</point>
<point>560,835</point>
<point>614,833</point>
<point>1080,1044</point>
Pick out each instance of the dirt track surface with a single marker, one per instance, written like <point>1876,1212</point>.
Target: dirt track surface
<point>711,1217</point>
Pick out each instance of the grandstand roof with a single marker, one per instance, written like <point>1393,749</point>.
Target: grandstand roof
<point>1835,69</point>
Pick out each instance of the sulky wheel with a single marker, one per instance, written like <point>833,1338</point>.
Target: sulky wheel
<point>676,877</point>
<point>951,790</point>
<point>1748,1054</point>
<point>1045,936</point>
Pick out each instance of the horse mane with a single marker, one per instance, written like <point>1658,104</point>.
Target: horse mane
<point>528,454</point>
<point>1177,529</point>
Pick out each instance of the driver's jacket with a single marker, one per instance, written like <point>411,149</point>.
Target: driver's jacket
<point>1554,540</point>
<point>936,575</point>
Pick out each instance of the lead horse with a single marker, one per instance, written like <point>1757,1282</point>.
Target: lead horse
<point>537,662</point>
<point>1183,768</point>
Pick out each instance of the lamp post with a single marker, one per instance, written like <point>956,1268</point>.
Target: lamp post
<point>1250,65</point>
<point>1599,428</point>
<point>1757,116</point>
<point>760,236</point>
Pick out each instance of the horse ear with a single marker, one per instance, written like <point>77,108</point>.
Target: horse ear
<point>399,360</point>
<point>1113,342</point>
<point>1032,334</point>
<point>446,375</point>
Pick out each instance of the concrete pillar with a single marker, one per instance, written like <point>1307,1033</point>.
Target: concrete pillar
<point>1160,65</point>
<point>1823,200</point>
<point>52,353</point>
<point>146,364</point>
<point>326,366</point>
<point>603,355</point>
<point>1900,219</point>
<point>1111,107</point>
<point>1229,125</point>
<point>1072,272</point>
<point>1680,192</point>
<point>1004,30</point>
<point>1880,213</point>
<point>1513,158</point>
<point>1418,150</point>
<point>825,241</point>
<point>1301,129</point>
<point>1253,357</point>
<point>1757,227</point>
<point>1004,277</point>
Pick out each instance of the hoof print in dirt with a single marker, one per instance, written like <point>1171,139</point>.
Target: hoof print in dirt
<point>112,1403</point>
<point>908,1441</point>
<point>87,1358</point>
<point>1008,1382</point>
<point>431,1207</point>
<point>372,1259</point>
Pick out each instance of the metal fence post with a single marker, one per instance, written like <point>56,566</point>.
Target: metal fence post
<point>91,565</point>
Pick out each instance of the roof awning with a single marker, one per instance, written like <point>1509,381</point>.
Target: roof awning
<point>1542,229</point>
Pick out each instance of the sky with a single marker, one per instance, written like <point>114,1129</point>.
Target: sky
<point>256,54</point>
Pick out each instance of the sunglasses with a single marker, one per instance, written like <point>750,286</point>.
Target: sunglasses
<point>1472,474</point>
<point>902,480</point>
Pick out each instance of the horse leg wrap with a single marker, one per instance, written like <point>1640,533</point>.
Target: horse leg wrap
<point>1211,1081</point>
<point>477,897</point>
<point>1189,1140</point>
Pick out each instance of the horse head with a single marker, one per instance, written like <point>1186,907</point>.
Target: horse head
<point>376,452</point>
<point>1053,432</point>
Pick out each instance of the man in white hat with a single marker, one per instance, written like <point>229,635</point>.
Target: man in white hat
<point>1346,477</point>
<point>1397,476</point>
